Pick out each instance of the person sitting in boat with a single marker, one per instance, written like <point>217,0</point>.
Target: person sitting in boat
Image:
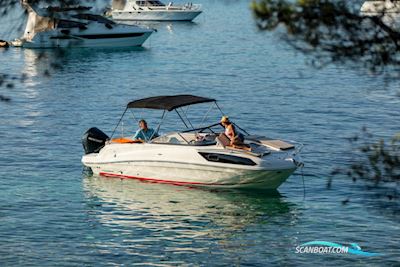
<point>144,133</point>
<point>236,138</point>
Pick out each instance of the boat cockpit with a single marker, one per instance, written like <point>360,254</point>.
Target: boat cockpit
<point>211,135</point>
<point>204,136</point>
<point>195,139</point>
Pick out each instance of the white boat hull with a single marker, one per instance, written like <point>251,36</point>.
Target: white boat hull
<point>179,15</point>
<point>198,177</point>
<point>76,29</point>
<point>42,41</point>
<point>183,165</point>
<point>192,175</point>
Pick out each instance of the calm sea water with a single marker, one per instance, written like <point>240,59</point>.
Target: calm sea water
<point>51,213</point>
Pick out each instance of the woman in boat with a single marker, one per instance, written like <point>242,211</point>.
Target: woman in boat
<point>144,133</point>
<point>236,138</point>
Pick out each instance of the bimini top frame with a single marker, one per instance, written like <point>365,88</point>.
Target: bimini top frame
<point>170,103</point>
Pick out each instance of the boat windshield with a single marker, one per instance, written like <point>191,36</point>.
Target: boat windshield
<point>62,23</point>
<point>149,3</point>
<point>194,139</point>
<point>93,17</point>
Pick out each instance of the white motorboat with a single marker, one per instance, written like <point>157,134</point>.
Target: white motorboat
<point>194,157</point>
<point>75,26</point>
<point>154,10</point>
<point>387,10</point>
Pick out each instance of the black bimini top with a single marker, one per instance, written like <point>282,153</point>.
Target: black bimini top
<point>168,102</point>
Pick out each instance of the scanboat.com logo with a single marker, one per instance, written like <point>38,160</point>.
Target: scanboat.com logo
<point>324,247</point>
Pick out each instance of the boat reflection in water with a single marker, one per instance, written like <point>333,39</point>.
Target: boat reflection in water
<point>144,217</point>
<point>167,26</point>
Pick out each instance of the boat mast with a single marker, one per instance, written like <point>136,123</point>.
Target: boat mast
<point>35,23</point>
<point>29,32</point>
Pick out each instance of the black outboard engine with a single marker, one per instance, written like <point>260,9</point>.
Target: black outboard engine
<point>93,140</point>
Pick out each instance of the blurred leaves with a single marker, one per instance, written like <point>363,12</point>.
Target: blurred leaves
<point>331,31</point>
<point>336,32</point>
<point>7,81</point>
<point>375,163</point>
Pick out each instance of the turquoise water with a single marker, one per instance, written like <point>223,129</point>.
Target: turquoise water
<point>51,213</point>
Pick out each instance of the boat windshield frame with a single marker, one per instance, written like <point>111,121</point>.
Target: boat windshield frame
<point>181,113</point>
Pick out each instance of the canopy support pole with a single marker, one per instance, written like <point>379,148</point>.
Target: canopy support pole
<point>119,122</point>
<point>158,127</point>
<point>241,128</point>
<point>133,115</point>
<point>181,118</point>
<point>216,104</point>
<point>184,113</point>
<point>206,115</point>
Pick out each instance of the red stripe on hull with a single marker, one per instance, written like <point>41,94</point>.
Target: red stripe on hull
<point>153,180</point>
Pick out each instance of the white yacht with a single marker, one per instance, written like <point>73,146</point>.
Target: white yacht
<point>197,157</point>
<point>75,26</point>
<point>387,10</point>
<point>154,10</point>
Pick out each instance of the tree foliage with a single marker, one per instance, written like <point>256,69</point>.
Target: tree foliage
<point>335,31</point>
<point>332,31</point>
<point>7,81</point>
<point>376,164</point>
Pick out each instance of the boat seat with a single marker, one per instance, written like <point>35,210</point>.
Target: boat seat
<point>124,140</point>
<point>223,140</point>
<point>277,144</point>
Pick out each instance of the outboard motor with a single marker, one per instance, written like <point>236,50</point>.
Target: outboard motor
<point>93,140</point>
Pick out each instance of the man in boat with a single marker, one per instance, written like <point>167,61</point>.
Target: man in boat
<point>144,133</point>
<point>236,139</point>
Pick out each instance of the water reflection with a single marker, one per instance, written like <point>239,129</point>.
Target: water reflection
<point>169,26</point>
<point>38,60</point>
<point>144,212</point>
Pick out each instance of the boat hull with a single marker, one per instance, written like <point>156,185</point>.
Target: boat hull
<point>193,174</point>
<point>183,15</point>
<point>46,42</point>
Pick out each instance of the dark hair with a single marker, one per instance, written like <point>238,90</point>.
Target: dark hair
<point>144,122</point>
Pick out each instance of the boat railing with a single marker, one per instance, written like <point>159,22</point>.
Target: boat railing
<point>297,146</point>
<point>192,6</point>
<point>187,6</point>
<point>292,147</point>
